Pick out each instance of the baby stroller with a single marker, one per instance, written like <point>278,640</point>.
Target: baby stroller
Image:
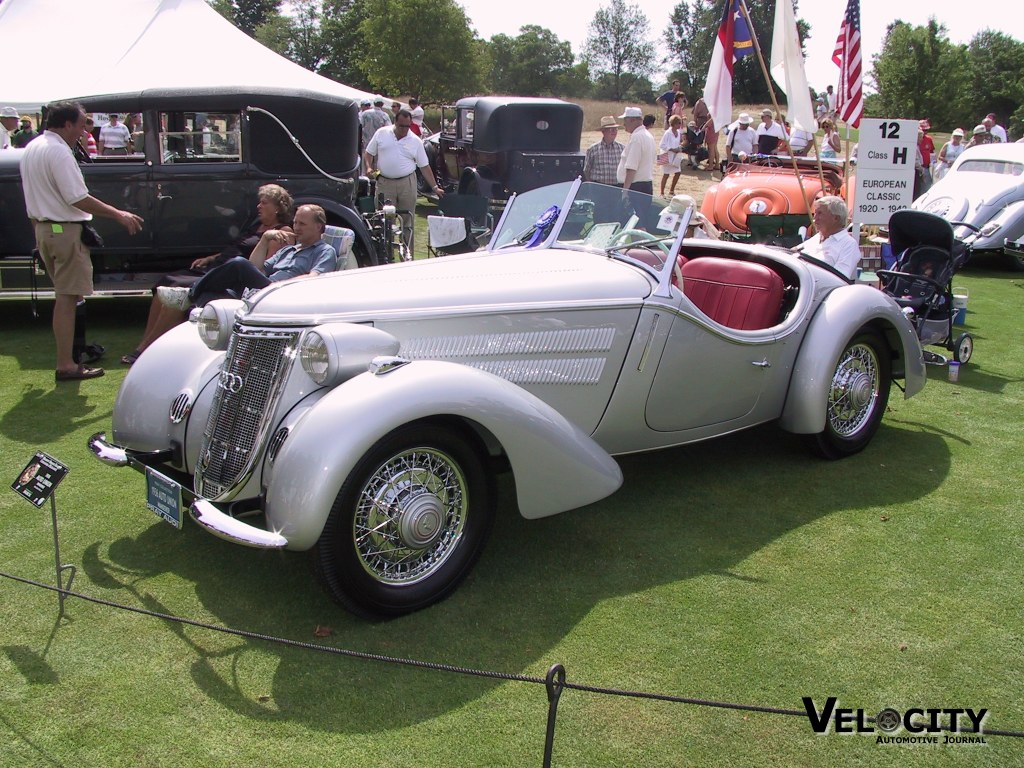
<point>921,281</point>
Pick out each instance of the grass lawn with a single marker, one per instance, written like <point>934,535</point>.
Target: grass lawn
<point>742,570</point>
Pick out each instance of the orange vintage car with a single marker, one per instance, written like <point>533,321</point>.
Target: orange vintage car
<point>768,185</point>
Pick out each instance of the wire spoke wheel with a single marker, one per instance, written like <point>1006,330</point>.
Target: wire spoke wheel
<point>410,516</point>
<point>854,390</point>
<point>857,395</point>
<point>409,522</point>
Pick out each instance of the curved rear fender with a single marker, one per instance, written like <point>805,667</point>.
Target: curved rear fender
<point>1010,223</point>
<point>843,313</point>
<point>175,362</point>
<point>555,464</point>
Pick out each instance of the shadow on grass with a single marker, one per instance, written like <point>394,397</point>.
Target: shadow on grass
<point>682,513</point>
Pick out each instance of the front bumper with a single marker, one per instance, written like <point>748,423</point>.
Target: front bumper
<point>202,511</point>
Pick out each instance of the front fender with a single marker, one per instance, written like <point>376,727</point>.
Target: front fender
<point>555,464</point>
<point>177,362</point>
<point>844,312</point>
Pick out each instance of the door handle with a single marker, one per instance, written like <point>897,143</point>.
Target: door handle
<point>763,364</point>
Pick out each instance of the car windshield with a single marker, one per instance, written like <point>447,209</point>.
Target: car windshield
<point>634,226</point>
<point>1001,167</point>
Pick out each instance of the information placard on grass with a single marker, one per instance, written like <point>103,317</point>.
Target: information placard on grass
<point>39,478</point>
<point>885,169</point>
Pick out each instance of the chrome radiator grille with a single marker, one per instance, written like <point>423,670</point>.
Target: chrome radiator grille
<point>248,388</point>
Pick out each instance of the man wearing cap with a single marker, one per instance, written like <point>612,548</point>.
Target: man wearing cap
<point>602,159</point>
<point>771,137</point>
<point>741,138</point>
<point>636,166</point>
<point>393,155</point>
<point>24,134</point>
<point>59,205</point>
<point>997,131</point>
<point>8,123</point>
<point>115,138</point>
<point>979,135</point>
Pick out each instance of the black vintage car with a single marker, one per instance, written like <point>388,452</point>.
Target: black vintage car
<point>495,146</point>
<point>199,157</point>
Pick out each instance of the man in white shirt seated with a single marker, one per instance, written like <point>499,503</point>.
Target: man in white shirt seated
<point>833,244</point>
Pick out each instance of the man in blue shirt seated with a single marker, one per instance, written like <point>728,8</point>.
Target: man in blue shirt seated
<point>307,257</point>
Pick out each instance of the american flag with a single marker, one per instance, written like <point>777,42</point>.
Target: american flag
<point>850,98</point>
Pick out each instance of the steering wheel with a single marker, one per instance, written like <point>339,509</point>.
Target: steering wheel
<point>630,236</point>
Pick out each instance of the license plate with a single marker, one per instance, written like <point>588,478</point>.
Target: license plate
<point>163,496</point>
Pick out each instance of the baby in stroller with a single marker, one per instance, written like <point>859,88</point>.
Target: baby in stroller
<point>921,280</point>
<point>696,147</point>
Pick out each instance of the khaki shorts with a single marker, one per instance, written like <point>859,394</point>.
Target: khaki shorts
<point>66,258</point>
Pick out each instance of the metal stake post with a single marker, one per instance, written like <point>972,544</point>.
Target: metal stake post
<point>61,588</point>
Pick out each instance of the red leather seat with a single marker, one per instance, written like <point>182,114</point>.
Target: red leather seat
<point>648,256</point>
<point>736,294</point>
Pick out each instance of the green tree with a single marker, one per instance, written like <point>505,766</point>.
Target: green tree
<point>619,50</point>
<point>299,35</point>
<point>342,28</point>
<point>533,63</point>
<point>247,15</point>
<point>424,47</point>
<point>920,73</point>
<point>690,39</point>
<point>996,65</point>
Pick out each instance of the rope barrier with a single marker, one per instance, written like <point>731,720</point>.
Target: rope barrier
<point>555,681</point>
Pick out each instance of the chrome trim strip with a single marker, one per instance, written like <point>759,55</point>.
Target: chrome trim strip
<point>650,341</point>
<point>572,340</point>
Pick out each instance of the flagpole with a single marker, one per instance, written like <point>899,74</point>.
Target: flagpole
<point>775,103</point>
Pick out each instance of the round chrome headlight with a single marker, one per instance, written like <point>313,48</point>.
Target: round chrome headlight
<point>215,322</point>
<point>315,357</point>
<point>334,352</point>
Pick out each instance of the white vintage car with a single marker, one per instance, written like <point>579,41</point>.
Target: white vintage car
<point>983,192</point>
<point>364,415</point>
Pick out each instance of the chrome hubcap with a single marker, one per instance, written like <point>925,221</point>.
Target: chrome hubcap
<point>410,516</point>
<point>854,390</point>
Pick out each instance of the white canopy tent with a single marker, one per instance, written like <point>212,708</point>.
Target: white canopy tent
<point>56,50</point>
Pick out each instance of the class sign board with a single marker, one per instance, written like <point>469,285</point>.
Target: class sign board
<point>885,169</point>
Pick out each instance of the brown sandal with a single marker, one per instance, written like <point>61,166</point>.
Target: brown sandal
<point>82,372</point>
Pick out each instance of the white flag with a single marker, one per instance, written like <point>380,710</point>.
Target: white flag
<point>787,68</point>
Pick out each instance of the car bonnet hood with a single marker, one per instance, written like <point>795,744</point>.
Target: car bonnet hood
<point>479,280</point>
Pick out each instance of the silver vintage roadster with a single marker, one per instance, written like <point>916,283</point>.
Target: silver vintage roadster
<point>363,415</point>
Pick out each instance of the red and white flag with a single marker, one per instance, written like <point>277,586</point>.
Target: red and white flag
<point>847,56</point>
<point>731,45</point>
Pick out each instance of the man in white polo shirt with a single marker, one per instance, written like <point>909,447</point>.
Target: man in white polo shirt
<point>115,138</point>
<point>393,155</point>
<point>636,166</point>
<point>58,203</point>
